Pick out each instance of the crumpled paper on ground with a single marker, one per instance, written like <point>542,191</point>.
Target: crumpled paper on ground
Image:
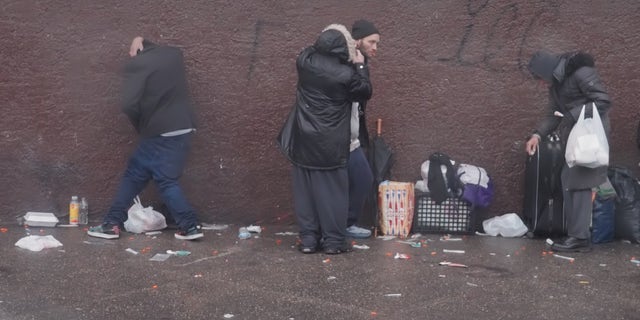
<point>37,243</point>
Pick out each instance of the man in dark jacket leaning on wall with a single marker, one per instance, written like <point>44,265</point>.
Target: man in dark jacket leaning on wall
<point>315,137</point>
<point>157,102</point>
<point>573,82</point>
<point>367,38</point>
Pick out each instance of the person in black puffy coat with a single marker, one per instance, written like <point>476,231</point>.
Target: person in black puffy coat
<point>573,82</point>
<point>316,137</point>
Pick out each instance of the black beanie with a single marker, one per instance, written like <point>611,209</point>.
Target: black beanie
<point>363,28</point>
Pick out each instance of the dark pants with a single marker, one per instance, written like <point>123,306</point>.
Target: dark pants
<point>360,182</point>
<point>161,159</point>
<point>578,207</point>
<point>321,202</point>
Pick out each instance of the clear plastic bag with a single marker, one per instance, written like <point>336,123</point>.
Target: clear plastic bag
<point>507,225</point>
<point>141,219</point>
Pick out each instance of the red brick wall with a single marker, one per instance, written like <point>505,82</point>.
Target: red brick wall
<point>450,77</point>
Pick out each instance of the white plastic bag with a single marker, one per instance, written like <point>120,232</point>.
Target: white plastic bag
<point>587,145</point>
<point>143,219</point>
<point>507,225</point>
<point>37,243</point>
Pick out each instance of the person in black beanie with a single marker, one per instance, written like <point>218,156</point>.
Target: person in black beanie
<point>367,38</point>
<point>573,82</point>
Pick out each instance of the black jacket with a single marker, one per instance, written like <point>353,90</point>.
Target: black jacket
<point>156,97</point>
<point>317,132</point>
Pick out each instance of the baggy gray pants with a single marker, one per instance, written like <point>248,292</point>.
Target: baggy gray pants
<point>321,204</point>
<point>578,208</point>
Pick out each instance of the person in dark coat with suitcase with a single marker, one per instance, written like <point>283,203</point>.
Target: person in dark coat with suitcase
<point>315,137</point>
<point>156,101</point>
<point>573,82</point>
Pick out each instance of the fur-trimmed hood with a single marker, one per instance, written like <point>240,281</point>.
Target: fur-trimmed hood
<point>335,39</point>
<point>572,61</point>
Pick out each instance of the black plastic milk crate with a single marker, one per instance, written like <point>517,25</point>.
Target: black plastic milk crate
<point>454,215</point>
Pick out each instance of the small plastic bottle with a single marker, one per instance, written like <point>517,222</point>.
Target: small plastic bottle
<point>244,233</point>
<point>84,211</point>
<point>74,210</point>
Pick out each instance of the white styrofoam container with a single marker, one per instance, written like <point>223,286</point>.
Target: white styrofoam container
<point>40,219</point>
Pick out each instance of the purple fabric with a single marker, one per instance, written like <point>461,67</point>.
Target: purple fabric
<point>477,195</point>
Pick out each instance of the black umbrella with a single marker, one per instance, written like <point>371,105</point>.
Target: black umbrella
<point>380,160</point>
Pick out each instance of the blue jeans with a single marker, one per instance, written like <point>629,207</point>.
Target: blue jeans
<point>360,182</point>
<point>161,159</point>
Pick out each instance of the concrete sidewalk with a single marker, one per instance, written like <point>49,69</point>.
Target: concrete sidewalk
<point>267,278</point>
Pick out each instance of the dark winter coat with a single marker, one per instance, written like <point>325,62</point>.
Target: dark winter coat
<point>317,133</point>
<point>156,97</point>
<point>575,82</point>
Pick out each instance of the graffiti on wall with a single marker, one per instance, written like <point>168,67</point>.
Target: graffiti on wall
<point>496,36</point>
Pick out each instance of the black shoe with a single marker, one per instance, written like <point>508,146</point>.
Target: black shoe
<point>309,244</point>
<point>307,249</point>
<point>571,244</point>
<point>338,250</point>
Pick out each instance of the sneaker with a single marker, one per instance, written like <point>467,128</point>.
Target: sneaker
<point>105,231</point>
<point>358,233</point>
<point>191,234</point>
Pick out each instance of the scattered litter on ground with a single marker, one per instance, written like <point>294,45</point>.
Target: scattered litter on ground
<point>451,264</point>
<point>452,251</point>
<point>131,251</point>
<point>478,233</point>
<point>549,241</point>
<point>228,316</point>
<point>635,261</point>
<point>254,229</point>
<point>386,238</point>
<point>492,253</point>
<point>393,295</point>
<point>197,275</point>
<point>180,253</point>
<point>603,264</point>
<point>160,257</point>
<point>213,226</point>
<point>278,242</point>
<point>331,278</point>
<point>152,233</point>
<point>401,256</point>
<point>626,241</point>
<point>4,230</point>
<point>449,238</point>
<point>412,243</point>
<point>416,235</point>
<point>570,259</point>
<point>472,284</point>
<point>100,242</point>
<point>584,282</point>
<point>441,276</point>
<point>67,225</point>
<point>37,243</point>
<point>361,246</point>
<point>327,260</point>
<point>288,233</point>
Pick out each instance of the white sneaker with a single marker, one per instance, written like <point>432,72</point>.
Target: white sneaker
<point>357,232</point>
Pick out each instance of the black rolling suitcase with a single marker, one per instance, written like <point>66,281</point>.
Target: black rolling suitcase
<point>543,209</point>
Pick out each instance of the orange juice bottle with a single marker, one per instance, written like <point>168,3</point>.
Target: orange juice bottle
<point>74,209</point>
